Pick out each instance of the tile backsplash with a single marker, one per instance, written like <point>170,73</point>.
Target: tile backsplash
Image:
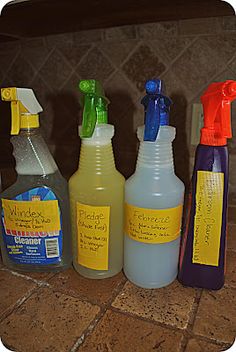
<point>186,54</point>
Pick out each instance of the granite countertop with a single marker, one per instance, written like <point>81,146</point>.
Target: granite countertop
<point>65,312</point>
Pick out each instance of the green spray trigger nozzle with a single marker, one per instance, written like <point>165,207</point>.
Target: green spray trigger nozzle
<point>95,106</point>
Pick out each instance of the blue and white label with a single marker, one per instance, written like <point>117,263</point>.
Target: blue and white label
<point>32,230</point>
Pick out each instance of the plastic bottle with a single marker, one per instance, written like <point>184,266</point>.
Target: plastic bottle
<point>35,215</point>
<point>154,198</point>
<point>202,257</point>
<point>96,192</point>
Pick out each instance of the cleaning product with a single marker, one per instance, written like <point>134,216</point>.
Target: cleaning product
<point>202,258</point>
<point>35,209</point>
<point>153,199</point>
<point>96,192</point>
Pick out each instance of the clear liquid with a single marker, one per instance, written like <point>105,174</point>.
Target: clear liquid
<point>98,183</point>
<point>153,186</point>
<point>59,186</point>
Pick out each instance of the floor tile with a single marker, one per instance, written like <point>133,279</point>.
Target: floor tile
<point>95,291</point>
<point>230,277</point>
<point>12,289</point>
<point>170,305</point>
<point>196,345</point>
<point>231,239</point>
<point>216,316</point>
<point>47,321</point>
<point>118,332</point>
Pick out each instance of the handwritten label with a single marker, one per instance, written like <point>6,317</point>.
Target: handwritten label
<point>31,216</point>
<point>208,218</point>
<point>153,225</point>
<point>93,236</point>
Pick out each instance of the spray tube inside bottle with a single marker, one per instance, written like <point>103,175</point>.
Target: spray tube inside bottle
<point>202,257</point>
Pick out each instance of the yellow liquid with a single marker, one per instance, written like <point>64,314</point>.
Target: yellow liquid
<point>98,183</point>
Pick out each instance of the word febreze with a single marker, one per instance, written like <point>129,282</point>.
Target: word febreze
<point>157,219</point>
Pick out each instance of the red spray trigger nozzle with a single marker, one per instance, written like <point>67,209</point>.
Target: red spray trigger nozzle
<point>216,105</point>
<point>231,88</point>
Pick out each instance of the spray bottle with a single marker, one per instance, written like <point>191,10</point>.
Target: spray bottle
<point>153,199</point>
<point>202,259</point>
<point>35,209</point>
<point>96,192</point>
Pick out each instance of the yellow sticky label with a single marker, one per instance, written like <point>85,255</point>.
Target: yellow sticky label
<point>31,216</point>
<point>153,225</point>
<point>93,236</point>
<point>208,217</point>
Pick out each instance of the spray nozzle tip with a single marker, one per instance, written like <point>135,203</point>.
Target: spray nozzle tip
<point>231,89</point>
<point>153,86</point>
<point>8,94</point>
<point>87,86</point>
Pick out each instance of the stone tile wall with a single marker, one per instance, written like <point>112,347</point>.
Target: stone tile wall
<point>187,54</point>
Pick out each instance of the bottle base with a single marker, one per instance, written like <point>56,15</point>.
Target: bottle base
<point>205,286</point>
<point>37,268</point>
<point>151,285</point>
<point>94,274</point>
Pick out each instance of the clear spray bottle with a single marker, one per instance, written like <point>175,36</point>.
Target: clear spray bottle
<point>35,209</point>
<point>153,199</point>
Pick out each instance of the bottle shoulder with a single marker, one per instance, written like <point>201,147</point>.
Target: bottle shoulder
<point>169,187</point>
<point>24,183</point>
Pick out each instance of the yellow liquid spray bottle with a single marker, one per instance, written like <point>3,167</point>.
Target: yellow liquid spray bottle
<point>96,192</point>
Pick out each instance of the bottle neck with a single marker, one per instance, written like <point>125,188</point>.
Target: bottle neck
<point>96,158</point>
<point>155,157</point>
<point>32,154</point>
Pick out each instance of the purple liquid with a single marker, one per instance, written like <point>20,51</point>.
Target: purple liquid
<point>208,158</point>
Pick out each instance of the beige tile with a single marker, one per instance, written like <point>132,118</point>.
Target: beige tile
<point>95,291</point>
<point>216,316</point>
<point>171,305</point>
<point>230,278</point>
<point>47,321</point>
<point>117,51</point>
<point>118,332</point>
<point>231,238</point>
<point>35,51</point>
<point>158,29</point>
<point>21,72</point>
<point>55,70</point>
<point>229,23</point>
<point>137,71</point>
<point>193,68</point>
<point>89,36</point>
<point>12,289</point>
<point>195,26</point>
<point>169,47</point>
<point>196,345</point>
<point>120,33</point>
<point>95,66</point>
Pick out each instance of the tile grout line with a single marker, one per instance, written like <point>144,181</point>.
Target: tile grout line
<point>19,302</point>
<point>40,283</point>
<point>192,317</point>
<point>119,67</point>
<point>148,320</point>
<point>89,330</point>
<point>203,88</point>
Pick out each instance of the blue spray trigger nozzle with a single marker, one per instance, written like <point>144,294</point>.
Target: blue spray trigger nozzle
<point>156,107</point>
